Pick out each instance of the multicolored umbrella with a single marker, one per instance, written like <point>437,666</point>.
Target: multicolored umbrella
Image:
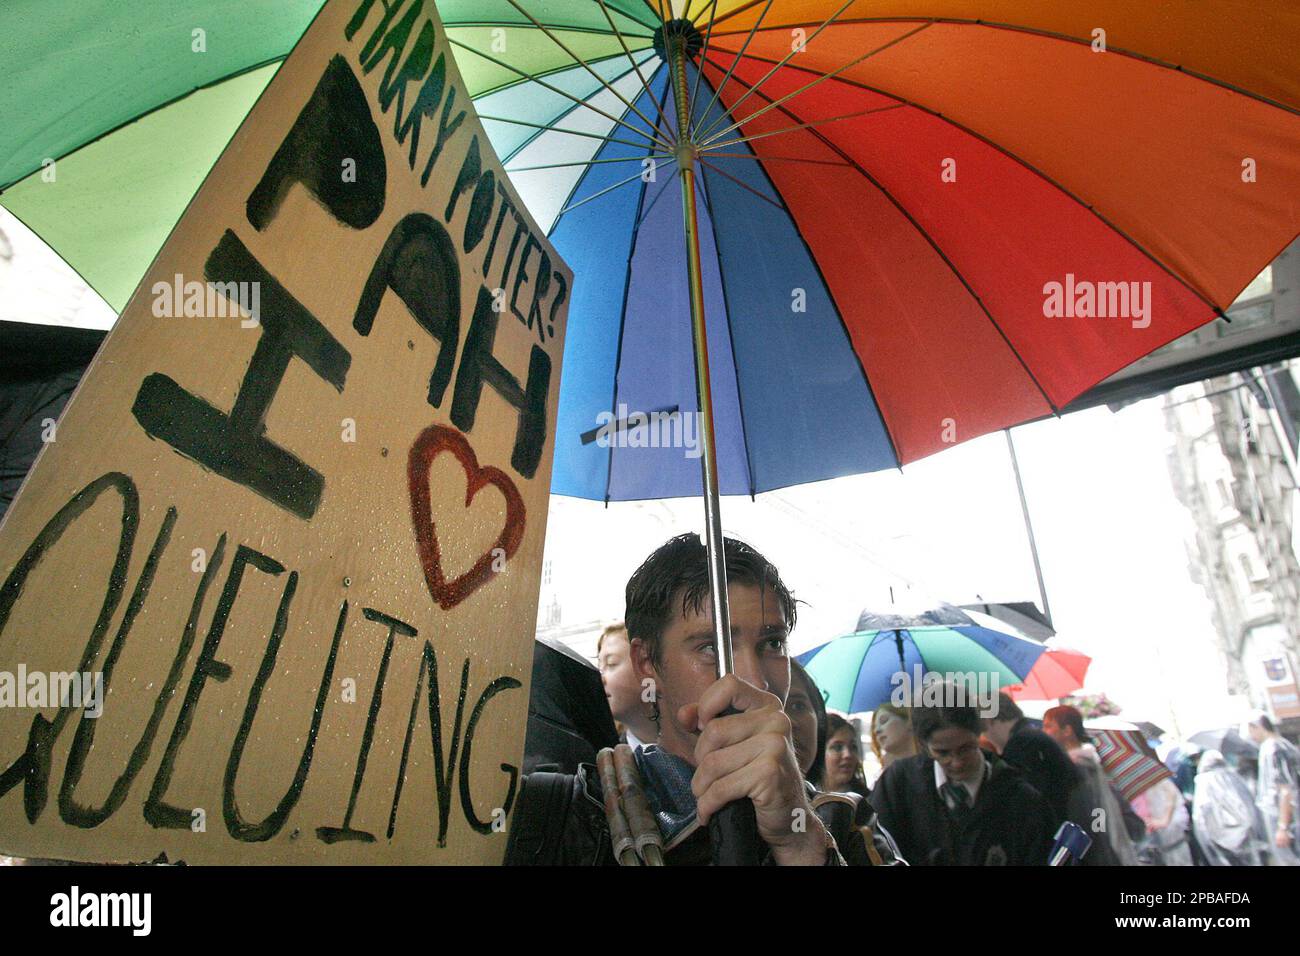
<point>909,222</point>
<point>1058,672</point>
<point>1127,759</point>
<point>886,188</point>
<point>858,672</point>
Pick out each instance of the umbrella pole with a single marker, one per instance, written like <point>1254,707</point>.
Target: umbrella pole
<point>685,151</point>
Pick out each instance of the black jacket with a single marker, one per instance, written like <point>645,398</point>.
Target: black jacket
<point>1010,823</point>
<point>559,820</point>
<point>1046,766</point>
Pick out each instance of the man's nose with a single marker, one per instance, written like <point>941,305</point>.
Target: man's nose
<point>749,667</point>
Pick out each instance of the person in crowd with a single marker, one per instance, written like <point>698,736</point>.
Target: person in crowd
<point>1165,816</point>
<point>891,734</point>
<point>1096,806</point>
<point>953,805</point>
<point>721,740</point>
<point>1277,790</point>
<point>1229,827</point>
<point>633,713</point>
<point>807,712</point>
<point>1040,758</point>
<point>871,845</point>
<point>843,773</point>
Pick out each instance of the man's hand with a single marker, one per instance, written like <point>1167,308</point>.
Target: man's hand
<point>749,755</point>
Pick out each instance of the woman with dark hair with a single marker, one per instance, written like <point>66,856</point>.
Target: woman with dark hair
<point>869,845</point>
<point>807,713</point>
<point>843,753</point>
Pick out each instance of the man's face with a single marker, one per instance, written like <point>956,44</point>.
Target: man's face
<point>688,665</point>
<point>1062,735</point>
<point>622,688</point>
<point>957,751</point>
<point>1256,733</point>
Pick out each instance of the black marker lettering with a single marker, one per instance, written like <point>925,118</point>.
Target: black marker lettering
<point>346,832</point>
<point>479,366</point>
<point>157,813</point>
<point>235,446</point>
<point>419,263</point>
<point>32,767</point>
<point>334,126</point>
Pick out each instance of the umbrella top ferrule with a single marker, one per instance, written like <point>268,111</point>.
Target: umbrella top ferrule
<point>681,33</point>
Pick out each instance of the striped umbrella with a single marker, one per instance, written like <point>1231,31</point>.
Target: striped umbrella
<point>858,672</point>
<point>1127,759</point>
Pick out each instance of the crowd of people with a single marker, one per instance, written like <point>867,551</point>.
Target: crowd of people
<point>951,785</point>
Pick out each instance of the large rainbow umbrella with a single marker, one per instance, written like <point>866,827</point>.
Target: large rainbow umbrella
<point>906,222</point>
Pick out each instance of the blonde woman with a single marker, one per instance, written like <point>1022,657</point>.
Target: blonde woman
<point>891,734</point>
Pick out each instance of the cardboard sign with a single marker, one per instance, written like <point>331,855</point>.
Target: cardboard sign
<point>291,524</point>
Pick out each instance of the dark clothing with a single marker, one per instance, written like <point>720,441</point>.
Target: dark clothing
<point>1009,823</point>
<point>559,820</point>
<point>1046,766</point>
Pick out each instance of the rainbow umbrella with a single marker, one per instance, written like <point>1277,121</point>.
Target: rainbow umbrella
<point>907,222</point>
<point>858,672</point>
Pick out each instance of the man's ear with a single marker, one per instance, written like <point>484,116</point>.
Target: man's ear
<point>641,662</point>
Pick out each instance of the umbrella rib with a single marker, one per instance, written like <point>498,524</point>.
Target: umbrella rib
<point>559,129</point>
<point>554,89</point>
<point>717,92</point>
<point>622,316</point>
<point>644,85</point>
<point>820,79</point>
<point>780,159</point>
<point>704,52</point>
<point>515,25</point>
<point>597,195</point>
<point>583,63</point>
<point>791,129</point>
<point>744,185</point>
<point>1037,172</point>
<point>709,129</point>
<point>731,338</point>
<point>933,245</point>
<point>658,196</point>
<point>583,162</point>
<point>565,114</point>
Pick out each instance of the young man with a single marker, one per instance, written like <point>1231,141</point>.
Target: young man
<point>1036,755</point>
<point>1277,791</point>
<point>953,805</point>
<point>720,741</point>
<point>623,689</point>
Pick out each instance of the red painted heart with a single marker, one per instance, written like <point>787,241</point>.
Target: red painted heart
<point>432,442</point>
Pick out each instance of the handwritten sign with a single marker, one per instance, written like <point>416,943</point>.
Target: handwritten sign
<point>291,524</point>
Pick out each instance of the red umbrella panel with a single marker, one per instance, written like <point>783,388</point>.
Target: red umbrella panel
<point>1058,672</point>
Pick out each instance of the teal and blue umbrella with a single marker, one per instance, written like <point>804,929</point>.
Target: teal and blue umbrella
<point>857,672</point>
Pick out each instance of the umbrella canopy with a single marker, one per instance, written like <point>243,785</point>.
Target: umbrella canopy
<point>1127,759</point>
<point>1058,672</point>
<point>1226,740</point>
<point>918,218</point>
<point>857,672</point>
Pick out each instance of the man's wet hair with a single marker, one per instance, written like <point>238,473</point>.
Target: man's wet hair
<point>1008,709</point>
<point>678,570</point>
<point>1263,720</point>
<point>927,721</point>
<point>1067,716</point>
